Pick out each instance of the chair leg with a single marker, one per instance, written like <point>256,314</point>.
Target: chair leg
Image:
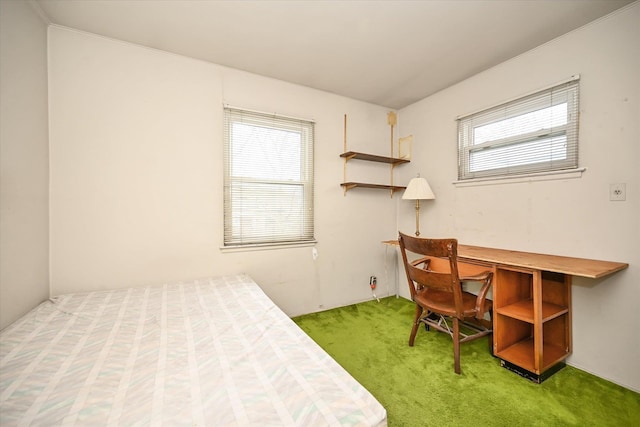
<point>416,324</point>
<point>456,345</point>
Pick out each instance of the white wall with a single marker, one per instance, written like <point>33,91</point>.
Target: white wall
<point>136,176</point>
<point>572,217</point>
<point>24,161</point>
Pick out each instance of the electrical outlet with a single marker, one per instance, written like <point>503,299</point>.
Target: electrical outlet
<point>618,192</point>
<point>373,282</point>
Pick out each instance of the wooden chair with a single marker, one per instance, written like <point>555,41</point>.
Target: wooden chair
<point>436,288</point>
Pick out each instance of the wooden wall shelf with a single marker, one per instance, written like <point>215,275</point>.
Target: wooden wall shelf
<point>355,155</point>
<point>349,155</point>
<point>349,185</point>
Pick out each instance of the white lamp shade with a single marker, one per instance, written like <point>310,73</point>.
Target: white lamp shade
<point>418,189</point>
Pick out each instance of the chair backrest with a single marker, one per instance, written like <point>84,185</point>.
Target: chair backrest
<point>428,270</point>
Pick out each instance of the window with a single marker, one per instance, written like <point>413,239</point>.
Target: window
<point>535,133</point>
<point>268,179</point>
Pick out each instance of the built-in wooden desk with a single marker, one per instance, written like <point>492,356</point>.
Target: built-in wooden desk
<point>532,304</point>
<point>582,267</point>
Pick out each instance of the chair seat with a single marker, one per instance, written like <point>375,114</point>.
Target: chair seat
<point>442,302</point>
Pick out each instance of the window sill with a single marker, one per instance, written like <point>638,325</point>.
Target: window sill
<point>266,246</point>
<point>541,176</point>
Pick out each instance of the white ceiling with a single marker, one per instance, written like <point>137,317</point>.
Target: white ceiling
<point>390,53</point>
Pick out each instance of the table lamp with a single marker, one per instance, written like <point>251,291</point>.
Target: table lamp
<point>418,189</point>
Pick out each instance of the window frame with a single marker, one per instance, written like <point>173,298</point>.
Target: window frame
<point>237,187</point>
<point>560,93</point>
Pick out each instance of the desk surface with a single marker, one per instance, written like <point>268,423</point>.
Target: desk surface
<point>582,267</point>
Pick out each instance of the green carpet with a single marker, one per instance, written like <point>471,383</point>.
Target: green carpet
<point>418,387</point>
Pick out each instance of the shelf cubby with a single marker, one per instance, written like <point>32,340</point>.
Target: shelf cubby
<point>532,325</point>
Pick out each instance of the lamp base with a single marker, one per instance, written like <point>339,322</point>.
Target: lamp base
<point>417,218</point>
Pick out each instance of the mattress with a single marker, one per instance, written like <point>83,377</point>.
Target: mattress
<point>212,352</point>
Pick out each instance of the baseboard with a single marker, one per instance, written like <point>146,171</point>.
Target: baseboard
<point>627,386</point>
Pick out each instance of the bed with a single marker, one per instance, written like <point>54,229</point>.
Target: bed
<point>211,352</point>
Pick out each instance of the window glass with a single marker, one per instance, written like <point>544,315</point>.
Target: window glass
<point>268,194</point>
<point>536,133</point>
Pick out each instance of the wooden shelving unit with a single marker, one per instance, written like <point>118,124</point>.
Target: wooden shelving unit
<point>532,324</point>
<point>354,155</point>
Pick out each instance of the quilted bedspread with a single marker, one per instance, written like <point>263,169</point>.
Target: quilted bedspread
<point>212,352</point>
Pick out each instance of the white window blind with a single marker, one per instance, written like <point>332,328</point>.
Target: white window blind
<point>535,133</point>
<point>268,179</point>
